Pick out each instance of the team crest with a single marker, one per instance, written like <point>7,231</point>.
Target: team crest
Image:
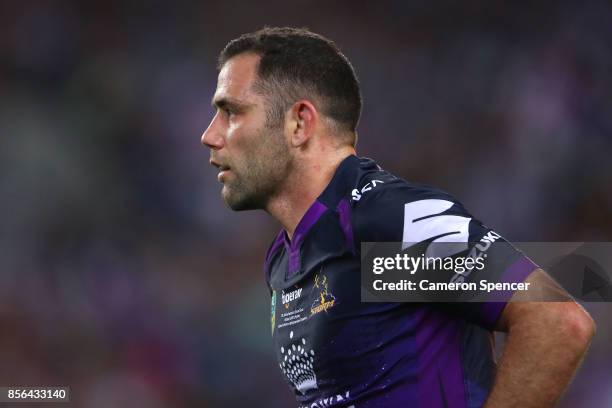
<point>325,299</point>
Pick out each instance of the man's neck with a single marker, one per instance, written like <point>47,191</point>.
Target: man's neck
<point>303,188</point>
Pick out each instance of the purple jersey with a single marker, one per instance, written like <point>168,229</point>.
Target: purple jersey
<point>336,351</point>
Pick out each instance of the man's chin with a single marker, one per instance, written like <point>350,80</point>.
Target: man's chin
<point>238,203</point>
<point>238,206</point>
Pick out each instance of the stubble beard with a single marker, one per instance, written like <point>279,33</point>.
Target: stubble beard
<point>262,174</point>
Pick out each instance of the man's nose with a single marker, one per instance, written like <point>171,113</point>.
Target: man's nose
<point>213,137</point>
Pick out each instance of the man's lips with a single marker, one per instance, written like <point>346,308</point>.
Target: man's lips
<point>215,163</point>
<point>218,165</point>
<point>222,174</point>
<point>223,169</point>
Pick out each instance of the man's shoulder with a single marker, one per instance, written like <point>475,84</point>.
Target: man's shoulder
<point>377,188</point>
<point>381,201</point>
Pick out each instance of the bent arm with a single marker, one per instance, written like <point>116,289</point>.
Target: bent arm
<point>546,343</point>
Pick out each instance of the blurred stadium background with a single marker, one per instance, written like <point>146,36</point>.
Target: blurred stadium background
<point>123,275</point>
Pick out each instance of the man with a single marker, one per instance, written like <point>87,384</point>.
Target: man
<point>283,137</point>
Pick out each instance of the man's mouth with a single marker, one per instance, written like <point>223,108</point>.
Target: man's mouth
<point>223,170</point>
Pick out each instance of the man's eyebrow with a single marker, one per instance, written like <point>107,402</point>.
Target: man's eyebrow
<point>227,102</point>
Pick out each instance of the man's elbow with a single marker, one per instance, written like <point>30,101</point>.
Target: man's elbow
<point>579,325</point>
<point>574,325</point>
<point>566,324</point>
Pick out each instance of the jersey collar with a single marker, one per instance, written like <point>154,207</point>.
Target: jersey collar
<point>343,179</point>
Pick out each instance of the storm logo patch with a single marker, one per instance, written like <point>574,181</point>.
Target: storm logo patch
<point>325,299</point>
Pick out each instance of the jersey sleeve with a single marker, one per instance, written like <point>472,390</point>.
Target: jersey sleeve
<point>414,215</point>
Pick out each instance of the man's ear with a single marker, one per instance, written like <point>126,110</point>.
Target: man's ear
<point>302,121</point>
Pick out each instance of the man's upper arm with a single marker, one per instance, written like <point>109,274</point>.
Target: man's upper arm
<point>413,214</point>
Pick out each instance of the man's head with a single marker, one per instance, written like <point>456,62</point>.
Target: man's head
<point>275,86</point>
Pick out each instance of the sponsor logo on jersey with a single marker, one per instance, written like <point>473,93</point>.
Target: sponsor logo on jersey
<point>325,299</point>
<point>329,401</point>
<point>297,364</point>
<point>273,311</point>
<point>290,296</point>
<point>356,193</point>
<point>478,251</point>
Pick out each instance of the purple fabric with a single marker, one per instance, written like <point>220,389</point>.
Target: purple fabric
<point>517,272</point>
<point>293,247</point>
<point>440,374</point>
<point>344,210</point>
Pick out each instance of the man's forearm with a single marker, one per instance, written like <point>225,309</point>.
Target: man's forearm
<point>542,352</point>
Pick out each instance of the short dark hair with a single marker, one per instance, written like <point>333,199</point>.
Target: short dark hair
<point>296,63</point>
